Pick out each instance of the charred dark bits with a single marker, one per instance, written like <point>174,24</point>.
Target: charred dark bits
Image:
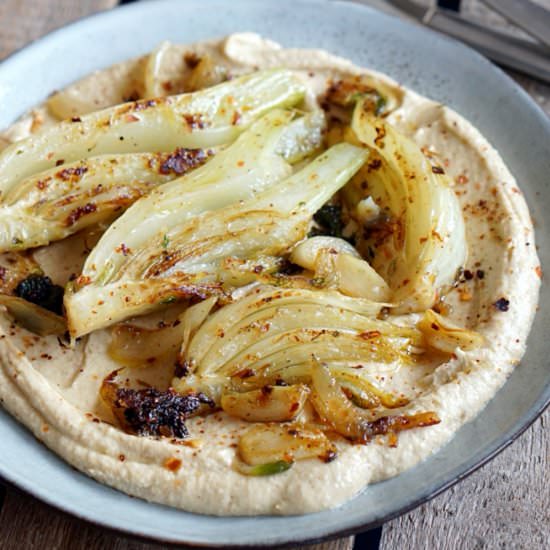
<point>502,304</point>
<point>182,160</point>
<point>329,219</point>
<point>154,412</point>
<point>287,268</point>
<point>181,369</point>
<point>72,173</point>
<point>40,290</point>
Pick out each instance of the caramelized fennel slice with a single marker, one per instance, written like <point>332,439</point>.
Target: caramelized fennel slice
<point>258,301</point>
<point>424,243</point>
<point>275,328</point>
<point>237,173</point>
<point>193,252</point>
<point>444,335</point>
<point>271,443</point>
<point>267,404</point>
<point>352,422</point>
<point>132,345</point>
<point>203,119</point>
<point>59,202</point>
<point>33,317</point>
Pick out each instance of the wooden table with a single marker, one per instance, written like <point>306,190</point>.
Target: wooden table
<point>505,504</point>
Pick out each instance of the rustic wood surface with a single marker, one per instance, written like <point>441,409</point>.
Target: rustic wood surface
<point>22,21</point>
<point>506,504</point>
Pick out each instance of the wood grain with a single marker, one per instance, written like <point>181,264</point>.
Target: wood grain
<point>505,504</point>
<point>22,21</point>
<point>29,524</point>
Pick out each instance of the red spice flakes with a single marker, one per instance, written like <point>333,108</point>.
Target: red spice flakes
<point>437,170</point>
<point>462,179</point>
<point>45,428</point>
<point>538,271</point>
<point>121,457</point>
<point>71,173</point>
<point>83,280</point>
<point>236,118</point>
<point>79,212</point>
<point>143,104</point>
<point>380,135</point>
<point>123,249</point>
<point>193,443</point>
<point>370,334</point>
<point>240,163</point>
<point>194,121</point>
<point>502,304</point>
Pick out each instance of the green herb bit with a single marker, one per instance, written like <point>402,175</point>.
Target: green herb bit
<point>269,469</point>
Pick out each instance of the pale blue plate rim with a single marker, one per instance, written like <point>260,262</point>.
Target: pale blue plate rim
<point>30,466</point>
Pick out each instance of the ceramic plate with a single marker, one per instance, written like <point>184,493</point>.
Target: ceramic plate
<point>429,63</point>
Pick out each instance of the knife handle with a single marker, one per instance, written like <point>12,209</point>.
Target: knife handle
<point>531,17</point>
<point>514,53</point>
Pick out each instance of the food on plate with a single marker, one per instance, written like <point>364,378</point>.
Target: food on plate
<point>242,279</point>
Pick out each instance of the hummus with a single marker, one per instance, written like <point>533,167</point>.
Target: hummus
<point>54,390</point>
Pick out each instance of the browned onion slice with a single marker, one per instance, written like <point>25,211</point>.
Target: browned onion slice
<point>267,404</point>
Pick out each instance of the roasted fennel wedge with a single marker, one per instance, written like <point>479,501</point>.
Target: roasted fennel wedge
<point>184,258</point>
<point>272,446</point>
<point>61,201</point>
<point>418,242</point>
<point>351,421</point>
<point>442,334</point>
<point>203,119</point>
<point>270,336</point>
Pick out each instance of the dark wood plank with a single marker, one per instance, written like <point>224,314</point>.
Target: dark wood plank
<point>22,21</point>
<point>27,523</point>
<point>505,504</point>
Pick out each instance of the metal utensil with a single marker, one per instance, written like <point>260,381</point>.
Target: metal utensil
<point>530,17</point>
<point>524,56</point>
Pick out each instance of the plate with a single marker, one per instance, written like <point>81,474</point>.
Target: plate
<point>425,61</point>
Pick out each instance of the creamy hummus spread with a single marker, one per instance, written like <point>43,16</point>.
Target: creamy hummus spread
<point>54,390</point>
